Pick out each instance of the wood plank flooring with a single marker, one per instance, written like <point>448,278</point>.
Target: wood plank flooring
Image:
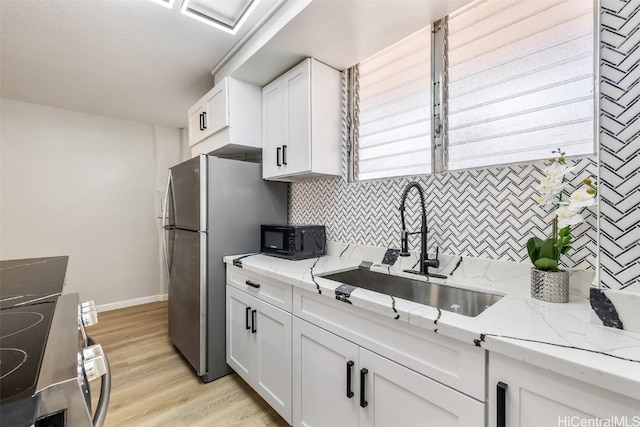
<point>152,385</point>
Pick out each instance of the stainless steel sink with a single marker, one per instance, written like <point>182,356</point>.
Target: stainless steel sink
<point>461,301</point>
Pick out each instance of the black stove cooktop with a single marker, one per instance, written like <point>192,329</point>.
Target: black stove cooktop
<point>29,289</point>
<point>23,335</point>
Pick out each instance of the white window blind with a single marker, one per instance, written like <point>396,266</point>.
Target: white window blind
<point>520,81</point>
<point>395,108</point>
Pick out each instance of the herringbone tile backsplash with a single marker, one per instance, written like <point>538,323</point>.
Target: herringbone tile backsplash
<point>487,213</point>
<point>490,213</point>
<point>620,144</point>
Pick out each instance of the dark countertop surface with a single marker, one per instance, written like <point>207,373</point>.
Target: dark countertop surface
<point>32,277</point>
<point>24,283</point>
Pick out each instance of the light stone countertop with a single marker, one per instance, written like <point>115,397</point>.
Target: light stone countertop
<point>557,337</point>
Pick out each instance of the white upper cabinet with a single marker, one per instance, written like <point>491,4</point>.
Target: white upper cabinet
<point>226,121</point>
<point>301,123</point>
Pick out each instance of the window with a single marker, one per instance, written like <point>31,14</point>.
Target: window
<point>394,131</point>
<point>519,83</point>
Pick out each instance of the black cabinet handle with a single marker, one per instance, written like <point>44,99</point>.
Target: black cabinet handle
<point>201,121</point>
<point>349,368</point>
<point>363,374</point>
<point>204,120</point>
<point>501,402</point>
<point>284,154</point>
<point>253,322</point>
<point>246,318</point>
<point>278,157</point>
<point>253,285</point>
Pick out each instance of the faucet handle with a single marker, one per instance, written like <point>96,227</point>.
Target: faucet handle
<point>433,263</point>
<point>404,243</point>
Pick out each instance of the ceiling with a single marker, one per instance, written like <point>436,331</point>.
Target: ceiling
<point>338,33</point>
<point>138,60</point>
<point>128,59</point>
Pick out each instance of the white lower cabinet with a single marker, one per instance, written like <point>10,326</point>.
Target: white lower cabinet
<point>524,395</point>
<point>323,363</point>
<point>338,383</point>
<point>259,347</point>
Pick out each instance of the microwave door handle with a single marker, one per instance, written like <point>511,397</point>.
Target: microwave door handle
<point>302,233</point>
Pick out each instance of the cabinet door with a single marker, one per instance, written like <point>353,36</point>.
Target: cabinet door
<point>296,149</point>
<point>216,108</point>
<point>272,364</point>
<point>240,338</point>
<point>272,129</point>
<point>320,365</point>
<point>196,130</point>
<point>537,397</point>
<point>397,396</point>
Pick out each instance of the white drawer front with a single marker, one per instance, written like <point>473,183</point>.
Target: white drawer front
<point>269,290</point>
<point>443,359</point>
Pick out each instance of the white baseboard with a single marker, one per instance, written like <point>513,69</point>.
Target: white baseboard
<point>131,302</point>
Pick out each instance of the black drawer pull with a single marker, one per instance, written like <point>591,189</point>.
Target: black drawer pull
<point>201,117</point>
<point>501,402</point>
<point>246,318</point>
<point>253,285</point>
<point>349,368</point>
<point>253,322</point>
<point>284,155</point>
<point>363,375</point>
<point>278,157</point>
<point>204,120</point>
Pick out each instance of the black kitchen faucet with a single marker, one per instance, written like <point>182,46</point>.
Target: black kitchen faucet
<point>424,262</point>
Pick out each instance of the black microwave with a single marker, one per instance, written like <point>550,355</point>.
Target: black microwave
<point>293,242</point>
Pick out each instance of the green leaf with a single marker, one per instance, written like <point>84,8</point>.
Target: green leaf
<point>565,250</point>
<point>548,250</point>
<point>533,247</point>
<point>564,231</point>
<point>565,240</point>
<point>546,264</point>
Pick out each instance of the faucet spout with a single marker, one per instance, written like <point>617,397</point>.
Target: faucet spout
<point>424,263</point>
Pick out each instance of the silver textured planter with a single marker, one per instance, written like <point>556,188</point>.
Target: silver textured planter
<point>550,286</point>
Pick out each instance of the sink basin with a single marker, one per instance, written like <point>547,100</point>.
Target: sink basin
<point>457,300</point>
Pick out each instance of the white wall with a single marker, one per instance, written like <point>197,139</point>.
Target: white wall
<point>85,186</point>
<point>169,148</point>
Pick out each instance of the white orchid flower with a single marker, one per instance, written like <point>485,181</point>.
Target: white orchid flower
<point>568,216</point>
<point>581,198</point>
<point>542,198</point>
<point>556,171</point>
<point>550,186</point>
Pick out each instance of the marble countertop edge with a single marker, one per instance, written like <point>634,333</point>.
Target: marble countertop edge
<point>548,335</point>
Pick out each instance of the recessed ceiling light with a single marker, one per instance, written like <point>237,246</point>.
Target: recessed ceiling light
<point>225,15</point>
<point>166,3</point>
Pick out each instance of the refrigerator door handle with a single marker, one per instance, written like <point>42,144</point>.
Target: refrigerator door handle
<point>165,229</point>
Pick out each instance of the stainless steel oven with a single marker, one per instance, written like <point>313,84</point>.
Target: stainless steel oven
<point>71,360</point>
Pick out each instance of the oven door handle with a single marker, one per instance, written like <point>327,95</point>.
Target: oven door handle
<point>105,393</point>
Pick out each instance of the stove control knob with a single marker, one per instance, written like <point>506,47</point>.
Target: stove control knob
<point>89,318</point>
<point>88,305</point>
<point>95,367</point>
<point>92,351</point>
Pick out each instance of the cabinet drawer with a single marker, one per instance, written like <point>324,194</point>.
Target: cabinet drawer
<point>443,359</point>
<point>269,290</point>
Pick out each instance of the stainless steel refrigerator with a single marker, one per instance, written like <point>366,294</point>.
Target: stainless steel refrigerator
<point>213,207</point>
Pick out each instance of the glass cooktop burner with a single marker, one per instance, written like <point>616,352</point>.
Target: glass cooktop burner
<point>23,337</point>
<point>14,323</point>
<point>10,360</point>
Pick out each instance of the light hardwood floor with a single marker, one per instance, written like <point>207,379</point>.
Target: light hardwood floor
<point>152,385</point>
